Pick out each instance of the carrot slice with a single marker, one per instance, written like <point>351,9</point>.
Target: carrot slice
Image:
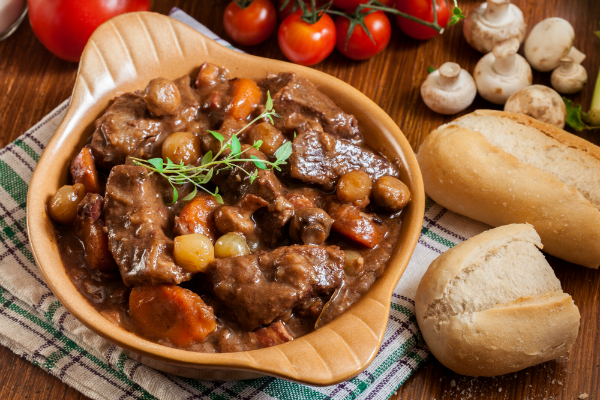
<point>84,171</point>
<point>171,312</point>
<point>356,225</point>
<point>245,97</point>
<point>197,217</point>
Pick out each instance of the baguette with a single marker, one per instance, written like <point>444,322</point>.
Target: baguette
<point>492,305</point>
<point>502,168</point>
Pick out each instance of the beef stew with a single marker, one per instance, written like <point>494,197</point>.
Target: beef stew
<point>275,254</point>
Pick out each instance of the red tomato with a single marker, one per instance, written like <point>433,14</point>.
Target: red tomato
<point>251,25</point>
<point>351,5</point>
<point>64,26</point>
<point>360,46</point>
<point>304,43</point>
<point>422,9</point>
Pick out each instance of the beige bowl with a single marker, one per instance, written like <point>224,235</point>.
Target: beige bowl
<point>123,55</point>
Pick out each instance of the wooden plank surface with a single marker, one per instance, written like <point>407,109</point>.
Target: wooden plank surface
<point>33,82</point>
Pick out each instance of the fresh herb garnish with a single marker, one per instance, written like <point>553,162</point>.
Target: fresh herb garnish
<point>178,174</point>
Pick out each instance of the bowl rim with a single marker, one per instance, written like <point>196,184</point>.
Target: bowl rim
<point>310,359</point>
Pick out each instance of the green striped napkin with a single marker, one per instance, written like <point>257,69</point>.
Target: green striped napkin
<point>37,327</point>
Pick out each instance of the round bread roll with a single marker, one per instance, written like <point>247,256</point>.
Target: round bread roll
<point>503,168</point>
<point>492,305</point>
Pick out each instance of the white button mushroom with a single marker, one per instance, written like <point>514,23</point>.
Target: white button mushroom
<point>493,22</point>
<point>502,72</point>
<point>448,90</point>
<point>539,102</point>
<point>569,77</point>
<point>549,41</point>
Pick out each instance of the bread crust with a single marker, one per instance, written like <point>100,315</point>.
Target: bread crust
<point>466,174</point>
<point>503,338</point>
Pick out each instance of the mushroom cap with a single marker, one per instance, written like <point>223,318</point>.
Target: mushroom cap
<point>569,78</point>
<point>539,102</point>
<point>448,90</point>
<point>549,41</point>
<point>482,34</point>
<point>495,87</point>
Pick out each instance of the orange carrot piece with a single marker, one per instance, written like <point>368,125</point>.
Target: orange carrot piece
<point>171,312</point>
<point>84,171</point>
<point>197,217</point>
<point>245,97</point>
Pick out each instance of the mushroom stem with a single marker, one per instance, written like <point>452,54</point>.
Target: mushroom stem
<point>567,66</point>
<point>506,57</point>
<point>449,73</point>
<point>576,55</point>
<point>496,11</point>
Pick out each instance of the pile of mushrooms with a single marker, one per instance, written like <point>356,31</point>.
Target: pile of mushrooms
<point>550,47</point>
<point>492,22</point>
<point>504,77</point>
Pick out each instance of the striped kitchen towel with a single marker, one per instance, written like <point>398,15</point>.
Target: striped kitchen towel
<point>36,326</point>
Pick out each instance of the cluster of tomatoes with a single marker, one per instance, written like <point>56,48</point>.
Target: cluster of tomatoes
<point>307,33</point>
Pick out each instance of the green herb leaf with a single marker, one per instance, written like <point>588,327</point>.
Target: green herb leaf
<point>257,144</point>
<point>207,177</point>
<point>191,195</point>
<point>236,147</point>
<point>284,152</point>
<point>253,176</point>
<point>217,135</point>
<point>574,117</point>
<point>269,103</point>
<point>157,163</point>
<point>170,164</point>
<point>208,157</point>
<point>175,196</point>
<point>258,162</point>
<point>218,197</point>
<point>430,69</point>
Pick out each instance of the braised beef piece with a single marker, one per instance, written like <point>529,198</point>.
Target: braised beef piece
<point>238,218</point>
<point>137,218</point>
<point>321,158</point>
<point>261,287</point>
<point>125,125</point>
<point>273,220</point>
<point>296,100</point>
<point>272,335</point>
<point>89,228</point>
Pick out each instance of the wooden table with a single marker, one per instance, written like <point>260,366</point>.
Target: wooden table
<point>33,82</point>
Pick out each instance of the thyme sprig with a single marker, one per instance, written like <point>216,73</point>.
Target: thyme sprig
<point>199,176</point>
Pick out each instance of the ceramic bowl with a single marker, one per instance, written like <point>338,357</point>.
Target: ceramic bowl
<point>123,55</point>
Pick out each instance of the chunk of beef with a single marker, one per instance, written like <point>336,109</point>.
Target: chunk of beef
<point>121,129</point>
<point>238,218</point>
<point>263,286</point>
<point>235,183</point>
<point>89,228</point>
<point>272,335</point>
<point>296,99</point>
<point>273,219</point>
<point>320,158</point>
<point>137,219</point>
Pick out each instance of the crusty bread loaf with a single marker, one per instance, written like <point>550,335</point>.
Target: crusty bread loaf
<point>492,305</point>
<point>502,168</point>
